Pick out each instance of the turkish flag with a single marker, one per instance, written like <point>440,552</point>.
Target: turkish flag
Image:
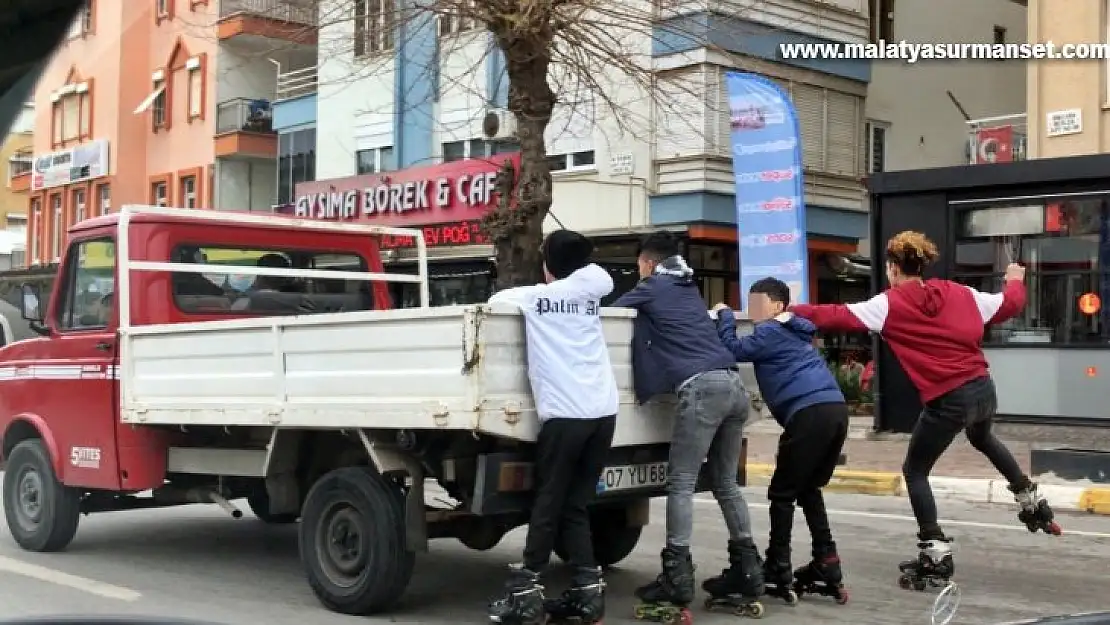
<point>994,145</point>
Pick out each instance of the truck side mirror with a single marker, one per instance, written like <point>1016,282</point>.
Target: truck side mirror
<point>30,303</point>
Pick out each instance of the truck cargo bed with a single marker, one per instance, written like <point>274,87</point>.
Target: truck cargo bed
<point>446,368</point>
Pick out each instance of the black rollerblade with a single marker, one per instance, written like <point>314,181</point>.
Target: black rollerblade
<point>523,603</point>
<point>666,599</point>
<point>738,588</point>
<point>583,602</point>
<point>778,577</point>
<point>1035,512</point>
<point>822,576</point>
<point>933,567</point>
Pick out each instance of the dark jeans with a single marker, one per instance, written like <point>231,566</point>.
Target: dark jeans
<point>808,452</point>
<point>969,408</point>
<point>570,456</point>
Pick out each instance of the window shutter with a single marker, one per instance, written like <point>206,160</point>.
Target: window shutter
<point>682,113</point>
<point>809,101</point>
<point>196,92</point>
<point>718,129</point>
<point>843,134</point>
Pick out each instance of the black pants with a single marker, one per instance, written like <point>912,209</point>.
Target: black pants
<point>808,452</point>
<point>971,409</point>
<point>570,456</point>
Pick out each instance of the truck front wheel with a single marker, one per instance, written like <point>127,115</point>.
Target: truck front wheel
<point>42,513</point>
<point>352,541</point>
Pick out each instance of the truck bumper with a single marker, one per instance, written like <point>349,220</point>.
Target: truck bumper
<point>505,480</point>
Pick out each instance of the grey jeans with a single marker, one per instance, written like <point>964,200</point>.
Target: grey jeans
<point>712,411</point>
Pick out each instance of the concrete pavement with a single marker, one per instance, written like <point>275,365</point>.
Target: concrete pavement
<point>195,562</point>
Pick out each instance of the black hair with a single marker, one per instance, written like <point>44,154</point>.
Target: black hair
<point>565,251</point>
<point>775,290</point>
<point>658,246</point>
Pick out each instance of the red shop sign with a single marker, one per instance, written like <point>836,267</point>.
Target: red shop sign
<point>456,192</point>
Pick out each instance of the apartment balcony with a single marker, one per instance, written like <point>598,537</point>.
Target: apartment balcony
<point>1001,139</point>
<point>245,129</point>
<point>264,22</point>
<point>295,104</point>
<point>19,171</point>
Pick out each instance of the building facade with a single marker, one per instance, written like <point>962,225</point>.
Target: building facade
<point>917,113</point>
<point>383,99</point>
<point>163,103</point>
<point>16,151</point>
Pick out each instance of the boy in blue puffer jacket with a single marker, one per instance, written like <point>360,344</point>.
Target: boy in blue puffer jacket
<point>804,397</point>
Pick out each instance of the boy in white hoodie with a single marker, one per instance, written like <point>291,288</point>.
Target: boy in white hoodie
<point>576,399</point>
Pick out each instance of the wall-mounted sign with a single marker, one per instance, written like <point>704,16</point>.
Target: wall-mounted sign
<point>1066,122</point>
<point>449,193</point>
<point>76,164</point>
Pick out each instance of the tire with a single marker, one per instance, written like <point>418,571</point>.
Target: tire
<point>613,539</point>
<point>259,502</point>
<point>356,501</point>
<point>42,513</point>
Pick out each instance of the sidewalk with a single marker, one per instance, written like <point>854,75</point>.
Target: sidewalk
<point>874,464</point>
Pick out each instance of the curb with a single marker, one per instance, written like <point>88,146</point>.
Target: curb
<point>1089,499</point>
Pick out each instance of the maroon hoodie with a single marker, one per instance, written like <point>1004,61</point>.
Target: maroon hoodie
<point>933,327</point>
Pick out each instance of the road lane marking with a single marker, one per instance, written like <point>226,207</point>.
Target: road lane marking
<point>902,517</point>
<point>76,582</point>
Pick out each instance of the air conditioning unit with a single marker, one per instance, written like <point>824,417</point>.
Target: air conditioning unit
<point>499,124</point>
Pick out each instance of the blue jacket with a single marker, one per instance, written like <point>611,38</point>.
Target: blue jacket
<point>673,335</point>
<point>789,369</point>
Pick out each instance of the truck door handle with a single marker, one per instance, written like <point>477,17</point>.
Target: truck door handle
<point>104,346</point>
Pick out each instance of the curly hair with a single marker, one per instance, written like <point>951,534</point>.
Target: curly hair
<point>911,252</point>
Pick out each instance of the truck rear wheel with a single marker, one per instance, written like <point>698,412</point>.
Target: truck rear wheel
<point>352,541</point>
<point>614,540</point>
<point>42,513</point>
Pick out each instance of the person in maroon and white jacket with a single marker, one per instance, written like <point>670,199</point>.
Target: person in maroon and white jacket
<point>935,329</point>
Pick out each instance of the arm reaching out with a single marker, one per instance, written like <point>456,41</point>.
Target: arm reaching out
<point>869,316</point>
<point>745,349</point>
<point>1000,307</point>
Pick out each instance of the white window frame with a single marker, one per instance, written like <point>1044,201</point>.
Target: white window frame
<point>22,162</point>
<point>80,206</point>
<point>82,23</point>
<point>189,195</point>
<point>571,161</point>
<point>485,151</point>
<point>159,114</point>
<point>374,22</point>
<point>455,22</point>
<point>869,128</point>
<point>56,227</point>
<point>162,7</point>
<point>160,193</point>
<point>36,228</point>
<point>194,101</point>
<point>380,163</point>
<point>104,199</point>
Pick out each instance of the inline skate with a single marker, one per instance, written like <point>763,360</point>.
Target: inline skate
<point>523,602</point>
<point>583,602</point>
<point>822,576</point>
<point>667,599</point>
<point>933,567</point>
<point>778,577</point>
<point>1035,512</point>
<point>738,588</point>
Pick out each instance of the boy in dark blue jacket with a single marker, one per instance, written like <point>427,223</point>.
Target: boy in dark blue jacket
<point>804,397</point>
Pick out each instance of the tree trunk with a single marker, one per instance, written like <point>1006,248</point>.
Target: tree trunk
<point>515,226</point>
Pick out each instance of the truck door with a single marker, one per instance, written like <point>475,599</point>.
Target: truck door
<point>80,368</point>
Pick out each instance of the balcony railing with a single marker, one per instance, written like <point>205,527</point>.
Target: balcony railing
<point>244,115</point>
<point>297,83</point>
<point>1001,139</point>
<point>295,11</point>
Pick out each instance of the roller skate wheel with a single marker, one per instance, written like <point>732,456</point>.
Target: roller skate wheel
<point>756,610</point>
<point>919,585</point>
<point>685,617</point>
<point>905,582</point>
<point>792,597</point>
<point>842,596</point>
<point>1054,529</point>
<point>640,613</point>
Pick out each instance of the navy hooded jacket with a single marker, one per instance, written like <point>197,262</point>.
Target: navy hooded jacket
<point>789,369</point>
<point>673,335</point>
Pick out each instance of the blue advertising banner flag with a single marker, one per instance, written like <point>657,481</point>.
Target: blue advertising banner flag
<point>770,196</point>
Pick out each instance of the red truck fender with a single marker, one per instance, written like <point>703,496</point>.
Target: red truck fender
<point>25,426</point>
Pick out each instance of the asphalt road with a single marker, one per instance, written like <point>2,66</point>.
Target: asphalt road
<point>196,562</point>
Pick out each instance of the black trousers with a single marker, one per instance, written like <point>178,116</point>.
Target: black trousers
<point>969,408</point>
<point>570,456</point>
<point>808,452</point>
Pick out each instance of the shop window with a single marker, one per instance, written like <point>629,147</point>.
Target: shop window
<point>296,162</point>
<point>570,162</point>
<point>459,19</point>
<point>80,208</point>
<point>88,293</point>
<point>374,160</point>
<point>189,192</point>
<point>268,295</point>
<point>374,22</point>
<point>159,194</point>
<point>1063,243</point>
<point>447,289</point>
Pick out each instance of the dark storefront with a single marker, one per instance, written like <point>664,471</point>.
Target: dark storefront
<point>1052,216</point>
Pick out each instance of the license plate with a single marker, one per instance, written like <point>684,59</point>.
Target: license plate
<point>631,476</point>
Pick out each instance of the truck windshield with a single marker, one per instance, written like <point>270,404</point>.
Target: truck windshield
<point>268,295</point>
